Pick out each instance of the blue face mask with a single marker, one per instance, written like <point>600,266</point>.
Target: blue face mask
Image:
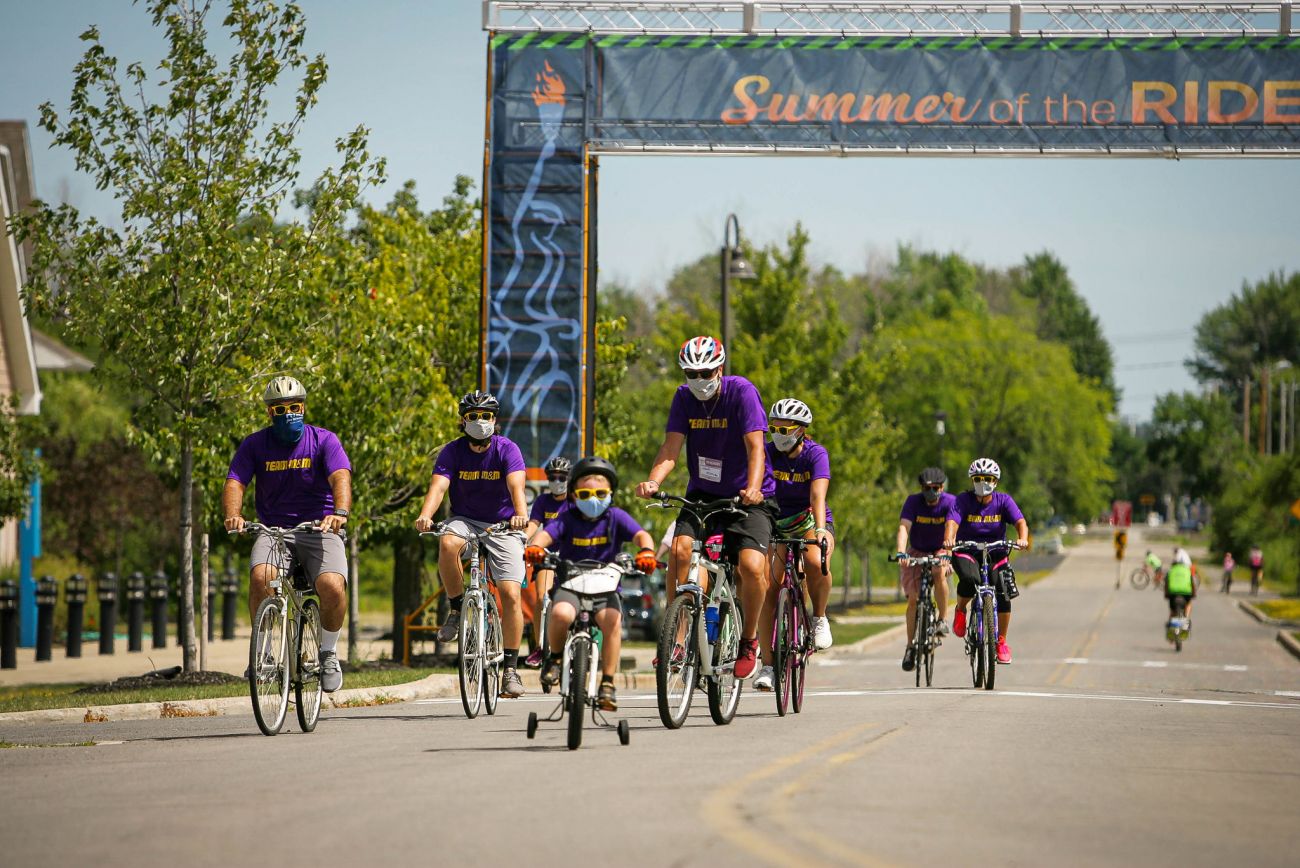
<point>287,428</point>
<point>593,507</point>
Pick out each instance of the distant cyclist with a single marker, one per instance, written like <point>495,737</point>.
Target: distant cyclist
<point>1180,585</point>
<point>981,515</point>
<point>802,470</point>
<point>721,422</point>
<point>591,529</point>
<point>546,507</point>
<point>483,473</point>
<point>921,526</point>
<point>1154,564</point>
<point>300,473</point>
<point>1256,561</point>
<point>1228,566</point>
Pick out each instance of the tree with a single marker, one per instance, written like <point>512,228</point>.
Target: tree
<point>191,309</point>
<point>18,465</point>
<point>1193,442</point>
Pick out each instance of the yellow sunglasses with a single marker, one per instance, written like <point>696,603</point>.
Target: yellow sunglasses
<point>783,429</point>
<point>477,415</point>
<point>281,409</point>
<point>983,478</point>
<point>589,493</point>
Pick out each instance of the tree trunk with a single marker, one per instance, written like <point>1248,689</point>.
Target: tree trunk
<point>407,555</point>
<point>354,600</point>
<point>188,659</point>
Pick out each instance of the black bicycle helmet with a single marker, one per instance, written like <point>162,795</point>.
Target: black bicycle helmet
<point>932,476</point>
<point>558,466</point>
<point>595,464</point>
<point>478,400</point>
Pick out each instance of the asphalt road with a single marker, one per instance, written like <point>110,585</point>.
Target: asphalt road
<point>1101,746</point>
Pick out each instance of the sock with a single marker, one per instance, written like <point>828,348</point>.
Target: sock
<point>329,639</point>
<point>512,657</point>
<point>454,602</point>
<point>606,679</point>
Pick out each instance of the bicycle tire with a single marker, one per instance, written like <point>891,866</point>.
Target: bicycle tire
<point>782,653</point>
<point>471,655</point>
<point>307,686</point>
<point>920,643</point>
<point>723,689</point>
<point>577,699</point>
<point>799,666</point>
<point>491,649</point>
<point>674,690</point>
<point>990,642</point>
<point>268,681</point>
<point>975,647</point>
<point>929,666</point>
<point>1139,579</point>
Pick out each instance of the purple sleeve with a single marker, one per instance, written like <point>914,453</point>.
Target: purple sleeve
<point>445,463</point>
<point>332,454</point>
<point>242,465</point>
<point>627,527</point>
<point>511,457</point>
<point>1013,511</point>
<point>954,511</point>
<point>752,415</point>
<point>555,529</point>
<point>677,423</point>
<point>821,465</point>
<point>909,510</point>
<point>537,513</point>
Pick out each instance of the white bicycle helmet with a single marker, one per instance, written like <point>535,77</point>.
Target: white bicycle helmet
<point>284,389</point>
<point>701,353</point>
<point>984,467</point>
<point>792,409</point>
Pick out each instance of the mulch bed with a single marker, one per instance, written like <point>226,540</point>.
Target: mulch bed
<point>163,677</point>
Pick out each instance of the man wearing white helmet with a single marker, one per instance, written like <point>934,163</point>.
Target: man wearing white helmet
<point>981,515</point>
<point>300,473</point>
<point>720,420</point>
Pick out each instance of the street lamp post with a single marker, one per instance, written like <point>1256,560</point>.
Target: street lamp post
<point>734,265</point>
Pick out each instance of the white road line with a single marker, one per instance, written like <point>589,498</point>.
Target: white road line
<point>1286,692</point>
<point>1075,660</point>
<point>1154,664</point>
<point>1234,668</point>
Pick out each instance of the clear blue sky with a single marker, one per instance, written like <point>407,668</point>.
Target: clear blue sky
<point>1152,244</point>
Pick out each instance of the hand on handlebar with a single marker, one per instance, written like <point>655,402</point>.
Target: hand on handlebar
<point>332,523</point>
<point>424,525</point>
<point>751,496</point>
<point>518,522</point>
<point>235,524</point>
<point>647,489</point>
<point>949,543</point>
<point>646,561</point>
<point>534,555</point>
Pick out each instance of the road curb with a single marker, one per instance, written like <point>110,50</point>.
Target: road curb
<point>1259,616</point>
<point>1287,641</point>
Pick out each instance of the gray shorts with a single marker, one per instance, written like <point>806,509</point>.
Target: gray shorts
<point>319,553</point>
<point>504,553</point>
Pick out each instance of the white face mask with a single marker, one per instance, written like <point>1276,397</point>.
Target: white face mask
<point>559,487</point>
<point>984,489</point>
<point>479,430</point>
<point>785,442</point>
<point>703,390</point>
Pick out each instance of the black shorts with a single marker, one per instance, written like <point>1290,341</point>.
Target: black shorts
<point>968,576</point>
<point>1178,602</point>
<point>753,530</point>
<point>598,602</point>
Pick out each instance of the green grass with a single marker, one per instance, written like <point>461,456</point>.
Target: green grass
<point>32,697</point>
<point>1024,580</point>
<point>847,634</point>
<point>1285,610</point>
<point>889,608</point>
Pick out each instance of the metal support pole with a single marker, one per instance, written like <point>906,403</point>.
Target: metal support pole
<point>8,624</point>
<point>135,594</point>
<point>726,307</point>
<point>75,594</point>
<point>107,592</point>
<point>47,594</point>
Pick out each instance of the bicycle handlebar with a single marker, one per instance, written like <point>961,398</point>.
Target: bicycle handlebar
<point>441,528</point>
<point>973,546</point>
<point>801,542</point>
<point>920,560</point>
<point>258,527</point>
<point>703,509</point>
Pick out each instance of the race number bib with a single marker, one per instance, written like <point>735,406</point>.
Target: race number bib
<point>710,469</point>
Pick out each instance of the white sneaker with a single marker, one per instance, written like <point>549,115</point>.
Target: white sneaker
<point>765,679</point>
<point>822,633</point>
<point>943,628</point>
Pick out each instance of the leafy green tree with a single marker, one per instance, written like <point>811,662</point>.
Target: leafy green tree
<point>190,308</point>
<point>1193,441</point>
<point>18,465</point>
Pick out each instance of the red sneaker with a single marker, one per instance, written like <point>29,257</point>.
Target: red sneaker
<point>959,624</point>
<point>748,658</point>
<point>1004,651</point>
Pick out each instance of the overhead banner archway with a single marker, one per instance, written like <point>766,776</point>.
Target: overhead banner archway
<point>569,81</point>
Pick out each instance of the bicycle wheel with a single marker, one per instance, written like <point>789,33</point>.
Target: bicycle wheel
<point>724,687</point>
<point>1139,579</point>
<point>783,652</point>
<point>802,643</point>
<point>471,654</point>
<point>268,666</point>
<point>675,683</point>
<point>491,651</point>
<point>579,664</point>
<point>990,642</point>
<point>307,687</point>
<point>920,643</point>
<point>975,647</point>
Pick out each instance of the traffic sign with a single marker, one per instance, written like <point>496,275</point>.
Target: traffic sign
<point>1147,499</point>
<point>1121,513</point>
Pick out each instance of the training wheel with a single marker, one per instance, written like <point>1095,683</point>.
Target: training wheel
<point>532,724</point>
<point>624,732</point>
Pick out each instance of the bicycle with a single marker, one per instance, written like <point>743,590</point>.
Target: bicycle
<point>792,640</point>
<point>982,626</point>
<point>480,651</point>
<point>580,663</point>
<point>1144,575</point>
<point>925,638</point>
<point>691,648</point>
<point>289,618</point>
<point>1178,627</point>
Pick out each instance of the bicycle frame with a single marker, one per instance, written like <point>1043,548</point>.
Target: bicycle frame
<point>720,591</point>
<point>476,575</point>
<point>984,590</point>
<point>793,580</point>
<point>293,597</point>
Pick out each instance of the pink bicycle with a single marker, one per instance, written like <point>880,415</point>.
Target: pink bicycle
<point>792,635</point>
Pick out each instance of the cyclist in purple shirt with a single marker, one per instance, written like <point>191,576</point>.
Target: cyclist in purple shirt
<point>483,472</point>
<point>547,506</point>
<point>981,515</point>
<point>300,473</point>
<point>921,525</point>
<point>720,420</point>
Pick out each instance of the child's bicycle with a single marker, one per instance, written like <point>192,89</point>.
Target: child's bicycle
<point>580,664</point>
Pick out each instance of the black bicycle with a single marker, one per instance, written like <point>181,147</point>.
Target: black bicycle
<point>925,638</point>
<point>982,627</point>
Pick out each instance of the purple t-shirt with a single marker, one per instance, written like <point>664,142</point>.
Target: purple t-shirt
<point>715,436</point>
<point>983,522</point>
<point>546,507</point>
<point>578,538</point>
<point>927,521</point>
<point>291,482</point>
<point>478,479</point>
<point>794,476</point>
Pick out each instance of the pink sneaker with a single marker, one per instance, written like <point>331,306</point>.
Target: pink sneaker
<point>534,660</point>
<point>959,624</point>
<point>747,660</point>
<point>1004,651</point>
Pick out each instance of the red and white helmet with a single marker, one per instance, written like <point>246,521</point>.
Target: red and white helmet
<point>702,353</point>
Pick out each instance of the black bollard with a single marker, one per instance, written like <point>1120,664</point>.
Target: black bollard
<point>158,593</point>
<point>210,623</point>
<point>230,603</point>
<point>8,624</point>
<point>135,594</point>
<point>47,594</point>
<point>107,591</point>
<point>76,596</point>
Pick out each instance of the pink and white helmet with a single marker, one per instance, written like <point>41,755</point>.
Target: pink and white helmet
<point>702,353</point>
